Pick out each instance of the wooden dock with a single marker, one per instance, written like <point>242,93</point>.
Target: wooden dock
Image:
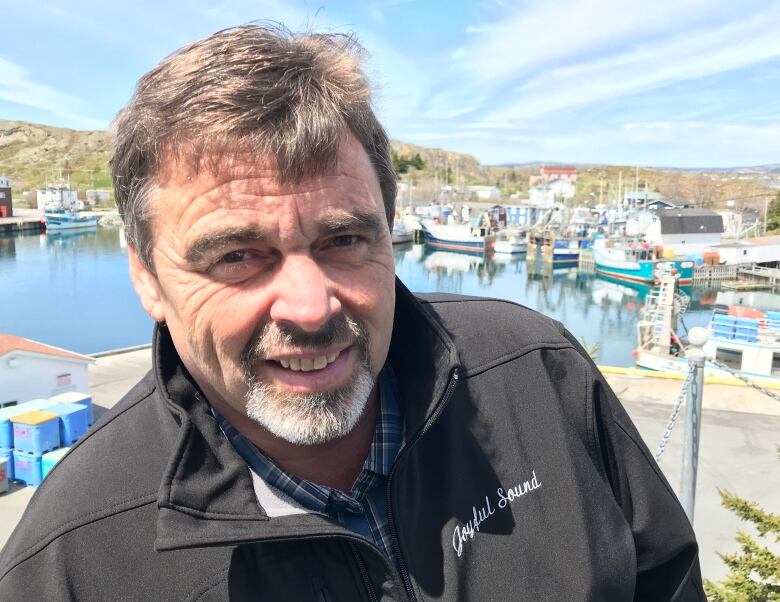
<point>12,225</point>
<point>703,274</point>
<point>769,277</point>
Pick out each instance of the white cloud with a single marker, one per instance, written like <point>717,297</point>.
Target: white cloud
<point>684,57</point>
<point>17,87</point>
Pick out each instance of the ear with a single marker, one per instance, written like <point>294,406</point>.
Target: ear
<point>146,286</point>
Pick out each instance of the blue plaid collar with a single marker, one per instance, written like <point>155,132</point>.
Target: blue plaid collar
<point>385,445</point>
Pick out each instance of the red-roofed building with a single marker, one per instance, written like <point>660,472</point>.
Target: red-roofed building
<point>550,174</point>
<point>32,370</point>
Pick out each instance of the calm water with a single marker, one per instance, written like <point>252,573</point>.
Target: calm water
<point>72,290</point>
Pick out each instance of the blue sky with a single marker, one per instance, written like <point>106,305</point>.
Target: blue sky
<point>664,83</point>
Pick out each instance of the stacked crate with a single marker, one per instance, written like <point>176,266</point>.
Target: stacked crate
<point>34,435</point>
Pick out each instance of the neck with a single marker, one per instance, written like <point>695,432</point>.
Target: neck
<point>334,464</point>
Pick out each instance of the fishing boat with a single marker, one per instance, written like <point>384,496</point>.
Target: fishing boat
<point>636,262</point>
<point>68,220</point>
<point>457,237</point>
<point>400,234</point>
<point>743,339</point>
<point>558,249</point>
<point>511,242</point>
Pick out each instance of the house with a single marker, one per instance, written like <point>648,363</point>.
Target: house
<point>549,174</point>
<point>687,231</point>
<point>549,191</point>
<point>31,370</point>
<point>6,200</point>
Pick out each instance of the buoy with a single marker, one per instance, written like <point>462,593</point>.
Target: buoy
<point>634,352</point>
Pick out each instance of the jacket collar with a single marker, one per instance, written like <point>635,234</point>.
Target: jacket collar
<point>207,495</point>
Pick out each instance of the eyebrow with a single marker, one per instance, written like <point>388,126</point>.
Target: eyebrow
<point>360,221</point>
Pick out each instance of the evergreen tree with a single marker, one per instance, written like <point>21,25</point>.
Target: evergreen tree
<point>773,214</point>
<point>754,571</point>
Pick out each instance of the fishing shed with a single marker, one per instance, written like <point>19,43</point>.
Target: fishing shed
<point>687,231</point>
<point>32,370</point>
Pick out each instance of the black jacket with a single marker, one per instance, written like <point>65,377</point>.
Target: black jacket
<point>521,478</point>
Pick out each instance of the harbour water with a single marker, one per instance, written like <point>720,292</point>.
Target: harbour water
<point>72,290</point>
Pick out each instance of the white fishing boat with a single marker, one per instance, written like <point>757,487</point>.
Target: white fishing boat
<point>400,234</point>
<point>68,220</point>
<point>511,242</point>
<point>457,237</point>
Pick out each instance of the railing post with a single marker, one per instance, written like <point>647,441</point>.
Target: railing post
<point>697,337</point>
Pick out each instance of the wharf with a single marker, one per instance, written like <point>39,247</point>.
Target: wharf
<point>12,225</point>
<point>739,435</point>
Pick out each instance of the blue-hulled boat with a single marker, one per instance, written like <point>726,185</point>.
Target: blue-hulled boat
<point>68,220</point>
<point>636,262</point>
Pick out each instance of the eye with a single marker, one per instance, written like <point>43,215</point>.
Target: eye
<point>236,266</point>
<point>344,240</point>
<point>236,256</point>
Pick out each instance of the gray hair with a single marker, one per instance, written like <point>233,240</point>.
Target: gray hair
<point>256,89</point>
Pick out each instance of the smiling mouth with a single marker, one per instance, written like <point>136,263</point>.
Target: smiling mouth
<point>307,364</point>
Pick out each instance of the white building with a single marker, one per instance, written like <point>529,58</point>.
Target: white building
<point>31,370</point>
<point>685,230</point>
<point>546,193</point>
<point>765,249</point>
<point>57,197</point>
<point>485,193</point>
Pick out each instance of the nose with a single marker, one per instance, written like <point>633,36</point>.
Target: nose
<point>304,294</point>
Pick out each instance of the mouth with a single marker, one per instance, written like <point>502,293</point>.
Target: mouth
<point>307,364</point>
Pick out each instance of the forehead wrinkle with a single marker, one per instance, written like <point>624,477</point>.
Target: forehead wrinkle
<point>207,243</point>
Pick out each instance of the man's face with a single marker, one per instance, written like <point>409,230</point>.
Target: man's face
<point>279,298</point>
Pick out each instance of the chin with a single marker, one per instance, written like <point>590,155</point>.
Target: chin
<point>310,418</point>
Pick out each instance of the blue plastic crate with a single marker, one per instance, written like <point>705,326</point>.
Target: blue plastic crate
<point>74,421</point>
<point>27,469</point>
<point>49,460</point>
<point>36,432</point>
<point>8,456</point>
<point>74,397</point>
<point>6,428</point>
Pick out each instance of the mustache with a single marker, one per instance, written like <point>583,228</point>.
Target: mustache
<point>272,338</point>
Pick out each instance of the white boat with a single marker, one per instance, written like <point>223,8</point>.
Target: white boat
<point>400,234</point>
<point>457,237</point>
<point>68,220</point>
<point>511,242</point>
<point>744,339</point>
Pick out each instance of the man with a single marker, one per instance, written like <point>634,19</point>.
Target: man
<point>310,429</point>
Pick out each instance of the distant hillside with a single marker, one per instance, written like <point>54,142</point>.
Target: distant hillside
<point>33,155</point>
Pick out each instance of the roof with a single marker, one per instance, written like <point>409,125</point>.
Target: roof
<point>689,221</point>
<point>9,343</point>
<point>559,170</point>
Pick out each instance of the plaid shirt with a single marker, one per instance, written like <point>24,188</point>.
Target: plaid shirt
<point>362,510</point>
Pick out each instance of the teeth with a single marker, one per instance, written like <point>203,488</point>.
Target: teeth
<point>306,364</point>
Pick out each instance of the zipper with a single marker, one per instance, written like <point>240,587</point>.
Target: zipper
<point>363,572</point>
<point>393,538</point>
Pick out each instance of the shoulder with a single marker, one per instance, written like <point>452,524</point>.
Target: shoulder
<point>116,468</point>
<point>485,329</point>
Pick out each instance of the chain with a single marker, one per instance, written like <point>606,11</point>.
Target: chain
<point>745,379</point>
<point>675,412</point>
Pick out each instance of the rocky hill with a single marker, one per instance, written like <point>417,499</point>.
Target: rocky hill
<point>33,155</point>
